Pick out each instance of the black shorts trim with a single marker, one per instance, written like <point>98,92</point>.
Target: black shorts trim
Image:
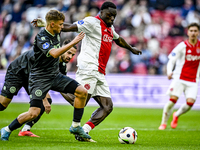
<point>71,87</point>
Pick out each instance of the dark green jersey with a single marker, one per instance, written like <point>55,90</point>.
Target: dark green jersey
<point>45,64</point>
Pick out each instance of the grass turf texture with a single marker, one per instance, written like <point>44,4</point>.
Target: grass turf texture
<point>53,130</point>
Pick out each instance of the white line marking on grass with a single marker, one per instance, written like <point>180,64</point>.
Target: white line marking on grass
<point>142,129</point>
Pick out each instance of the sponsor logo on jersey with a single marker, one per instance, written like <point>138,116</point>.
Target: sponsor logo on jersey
<point>192,57</point>
<point>107,38</point>
<point>38,93</point>
<point>12,89</point>
<point>189,51</point>
<point>80,22</point>
<point>173,54</point>
<point>87,86</point>
<point>4,87</point>
<point>45,45</point>
<point>43,38</point>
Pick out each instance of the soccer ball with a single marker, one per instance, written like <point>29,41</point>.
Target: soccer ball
<point>127,135</point>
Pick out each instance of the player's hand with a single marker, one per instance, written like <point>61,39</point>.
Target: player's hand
<point>136,51</point>
<point>47,106</point>
<point>170,76</point>
<point>39,22</point>
<point>79,37</point>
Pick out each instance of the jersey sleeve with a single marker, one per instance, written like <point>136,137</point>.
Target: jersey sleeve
<point>86,25</point>
<point>174,55</point>
<point>44,44</point>
<point>115,35</point>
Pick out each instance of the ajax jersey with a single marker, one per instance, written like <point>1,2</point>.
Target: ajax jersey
<point>96,45</point>
<point>187,58</point>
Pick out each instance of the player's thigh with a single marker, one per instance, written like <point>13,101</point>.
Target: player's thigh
<point>191,91</point>
<point>102,88</point>
<point>87,81</point>
<point>64,84</point>
<point>11,88</point>
<point>175,89</point>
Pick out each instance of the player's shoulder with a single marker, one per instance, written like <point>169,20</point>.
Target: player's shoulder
<point>181,45</point>
<point>90,19</point>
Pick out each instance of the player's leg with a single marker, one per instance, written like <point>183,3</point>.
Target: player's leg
<point>190,94</point>
<point>32,113</point>
<point>65,84</point>
<point>106,107</point>
<point>167,111</point>
<point>27,127</point>
<point>4,102</point>
<point>174,90</point>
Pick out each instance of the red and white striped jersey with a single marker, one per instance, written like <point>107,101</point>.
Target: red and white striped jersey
<point>187,60</point>
<point>96,45</point>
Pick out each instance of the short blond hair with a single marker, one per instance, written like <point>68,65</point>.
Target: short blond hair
<point>54,15</point>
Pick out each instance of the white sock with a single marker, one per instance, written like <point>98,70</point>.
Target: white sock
<point>87,128</point>
<point>76,124</point>
<point>183,109</point>
<point>167,111</point>
<point>7,129</point>
<point>26,128</point>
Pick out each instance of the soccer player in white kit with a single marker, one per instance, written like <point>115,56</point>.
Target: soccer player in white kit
<point>185,57</point>
<point>93,58</point>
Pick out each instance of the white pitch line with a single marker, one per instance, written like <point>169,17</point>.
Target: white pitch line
<point>142,129</point>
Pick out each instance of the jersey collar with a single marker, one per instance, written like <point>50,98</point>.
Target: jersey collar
<point>101,20</point>
<point>49,32</point>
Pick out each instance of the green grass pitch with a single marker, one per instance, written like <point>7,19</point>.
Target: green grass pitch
<point>53,130</point>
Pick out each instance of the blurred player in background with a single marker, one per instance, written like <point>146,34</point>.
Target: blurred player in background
<point>93,58</point>
<point>185,57</point>
<point>45,76</point>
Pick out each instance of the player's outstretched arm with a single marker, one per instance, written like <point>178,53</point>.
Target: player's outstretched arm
<point>59,51</point>
<point>39,22</point>
<point>122,43</point>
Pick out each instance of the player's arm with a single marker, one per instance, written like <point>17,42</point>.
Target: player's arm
<point>39,22</point>
<point>59,51</point>
<point>173,56</point>
<point>122,43</point>
<point>46,103</point>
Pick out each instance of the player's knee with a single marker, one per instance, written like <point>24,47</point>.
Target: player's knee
<point>81,93</point>
<point>109,109</point>
<point>33,114</point>
<point>190,102</point>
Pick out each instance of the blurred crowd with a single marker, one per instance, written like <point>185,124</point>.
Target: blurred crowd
<point>154,26</point>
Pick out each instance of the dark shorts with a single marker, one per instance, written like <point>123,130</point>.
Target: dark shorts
<point>13,83</point>
<point>39,87</point>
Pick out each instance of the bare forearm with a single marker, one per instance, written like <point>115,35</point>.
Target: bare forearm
<point>69,27</point>
<point>122,43</point>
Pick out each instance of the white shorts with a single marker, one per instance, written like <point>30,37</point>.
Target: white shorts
<point>177,87</point>
<point>94,81</point>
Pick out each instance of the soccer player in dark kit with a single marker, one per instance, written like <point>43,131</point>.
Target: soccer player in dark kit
<point>45,76</point>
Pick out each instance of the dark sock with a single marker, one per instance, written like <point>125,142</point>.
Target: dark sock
<point>14,125</point>
<point>2,107</point>
<point>78,113</point>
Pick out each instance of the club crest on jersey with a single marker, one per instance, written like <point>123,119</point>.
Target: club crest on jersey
<point>198,50</point>
<point>43,38</point>
<point>80,22</point>
<point>45,45</point>
<point>87,86</point>
<point>173,54</point>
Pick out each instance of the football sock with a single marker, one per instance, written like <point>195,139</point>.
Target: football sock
<point>167,111</point>
<point>26,128</point>
<point>183,109</point>
<point>2,107</point>
<point>87,128</point>
<point>14,125</point>
<point>78,113</point>
<point>76,124</point>
<point>7,129</point>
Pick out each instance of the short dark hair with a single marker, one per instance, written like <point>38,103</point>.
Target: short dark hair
<point>106,5</point>
<point>54,15</point>
<point>68,41</point>
<point>194,24</point>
